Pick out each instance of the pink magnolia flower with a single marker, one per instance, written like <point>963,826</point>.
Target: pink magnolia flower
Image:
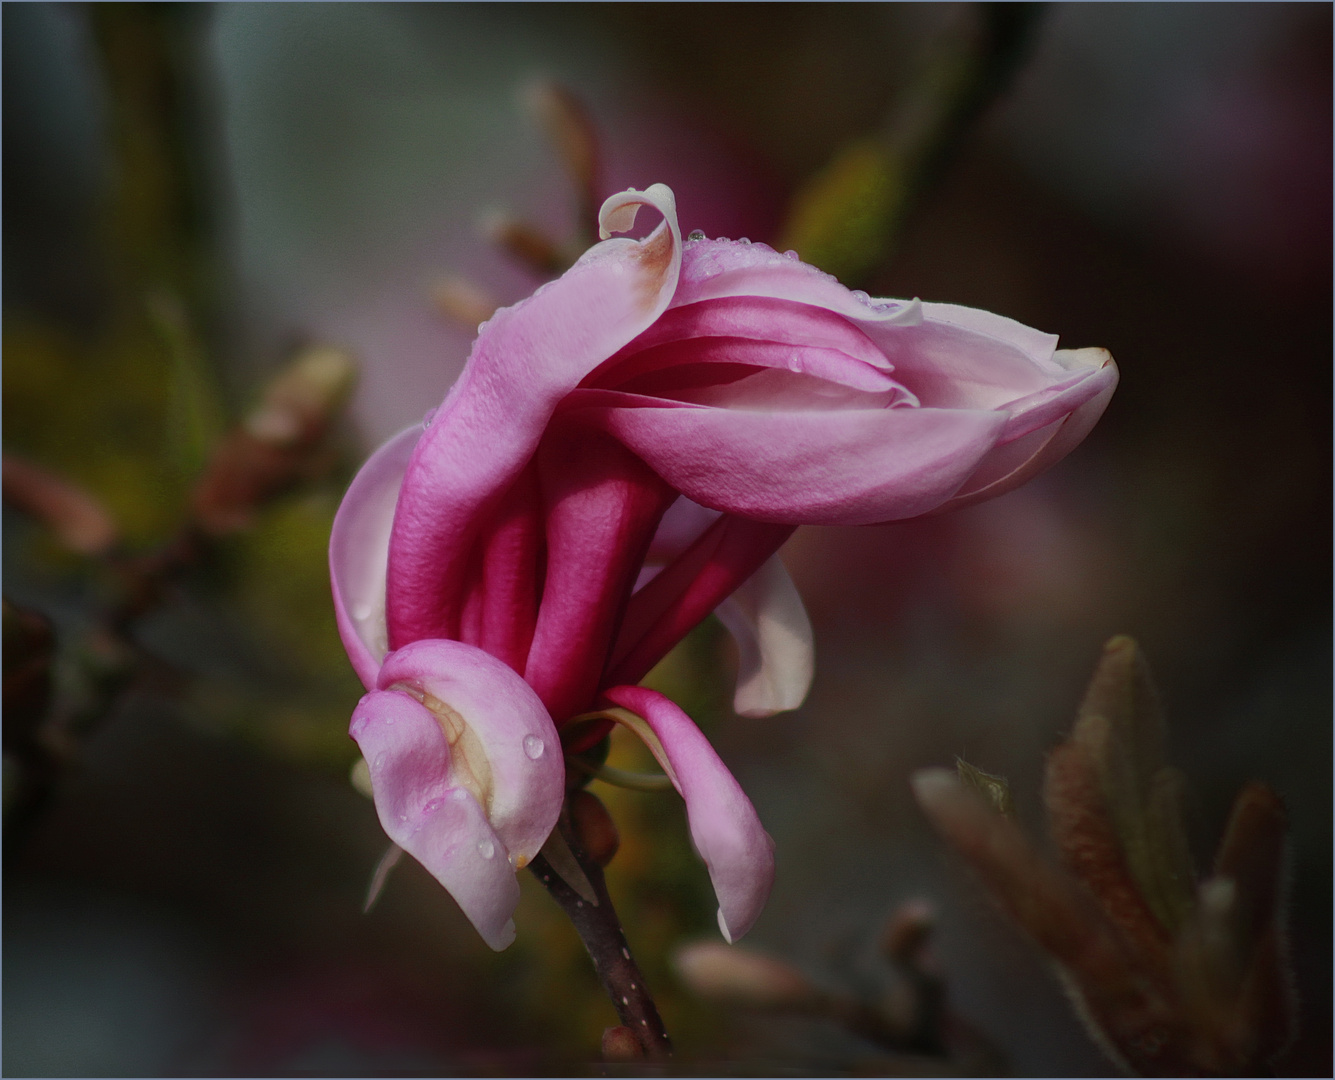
<point>624,452</point>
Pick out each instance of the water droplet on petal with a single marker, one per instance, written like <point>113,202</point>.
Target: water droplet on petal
<point>794,363</point>
<point>459,794</point>
<point>482,325</point>
<point>361,612</point>
<point>486,849</point>
<point>861,296</point>
<point>790,254</point>
<point>696,234</point>
<point>403,817</point>
<point>378,761</point>
<point>533,746</point>
<point>430,415</point>
<point>743,240</point>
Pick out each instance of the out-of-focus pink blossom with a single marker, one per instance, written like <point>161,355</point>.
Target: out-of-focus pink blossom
<point>745,388</point>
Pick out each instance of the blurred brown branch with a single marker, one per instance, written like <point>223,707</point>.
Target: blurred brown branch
<point>912,1019</point>
<point>1173,976</point>
<point>279,444</point>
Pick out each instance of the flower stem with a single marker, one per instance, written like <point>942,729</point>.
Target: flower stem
<point>600,930</point>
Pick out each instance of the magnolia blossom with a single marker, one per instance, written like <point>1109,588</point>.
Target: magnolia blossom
<point>624,452</point>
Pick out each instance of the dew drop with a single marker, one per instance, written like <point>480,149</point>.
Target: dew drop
<point>743,240</point>
<point>790,254</point>
<point>482,325</point>
<point>459,795</point>
<point>794,363</point>
<point>486,849</point>
<point>379,760</point>
<point>533,747</point>
<point>361,612</point>
<point>696,234</point>
<point>430,415</point>
<point>625,952</point>
<point>625,1000</point>
<point>403,817</point>
<point>860,296</point>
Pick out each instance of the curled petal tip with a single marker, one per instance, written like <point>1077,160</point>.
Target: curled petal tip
<point>618,212</point>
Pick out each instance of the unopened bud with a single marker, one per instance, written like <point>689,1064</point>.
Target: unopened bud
<point>567,124</point>
<point>594,827</point>
<point>620,1044</point>
<point>525,243</point>
<point>78,520</point>
<point>907,932</point>
<point>462,301</point>
<point>272,447</point>
<point>735,974</point>
<point>299,403</point>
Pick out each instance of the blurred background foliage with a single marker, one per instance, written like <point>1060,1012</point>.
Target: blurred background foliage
<point>195,193</point>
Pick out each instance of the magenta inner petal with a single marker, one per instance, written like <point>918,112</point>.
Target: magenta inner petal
<point>821,362</point>
<point>782,322</point>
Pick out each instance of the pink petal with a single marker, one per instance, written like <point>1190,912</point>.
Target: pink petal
<point>509,746</point>
<point>776,649</point>
<point>603,505</point>
<point>764,615</point>
<point>951,366</point>
<point>821,468</point>
<point>666,609</point>
<point>712,269</point>
<point>680,527</point>
<point>757,318</point>
<point>507,598</point>
<point>768,390</point>
<point>524,362</point>
<point>359,552</point>
<point>819,362</point>
<point>441,825</point>
<point>725,830</point>
<point>1009,466</point>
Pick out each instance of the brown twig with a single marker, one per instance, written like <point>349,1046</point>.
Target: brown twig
<point>600,930</point>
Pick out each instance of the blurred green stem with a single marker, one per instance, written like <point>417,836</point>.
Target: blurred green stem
<point>162,225</point>
<point>849,218</point>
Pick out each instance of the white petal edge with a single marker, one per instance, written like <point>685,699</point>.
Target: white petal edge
<point>359,552</point>
<point>777,651</point>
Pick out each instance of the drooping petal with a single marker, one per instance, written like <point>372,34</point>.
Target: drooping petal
<point>849,467</point>
<point>503,745</point>
<point>359,552</point>
<point>526,359</point>
<point>441,825</point>
<point>603,506</point>
<point>776,651</point>
<point>724,827</point>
